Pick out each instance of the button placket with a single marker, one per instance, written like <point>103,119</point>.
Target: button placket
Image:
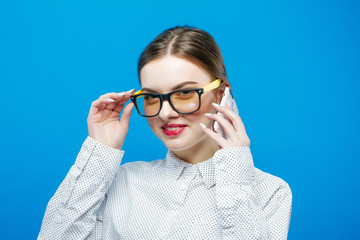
<point>183,187</point>
<point>189,173</point>
<point>182,184</point>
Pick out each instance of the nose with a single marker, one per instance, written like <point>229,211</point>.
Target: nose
<point>167,111</point>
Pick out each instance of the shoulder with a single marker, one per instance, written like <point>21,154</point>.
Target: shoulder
<point>269,180</point>
<point>269,186</point>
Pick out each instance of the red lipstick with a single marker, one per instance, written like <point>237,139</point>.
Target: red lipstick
<point>173,129</point>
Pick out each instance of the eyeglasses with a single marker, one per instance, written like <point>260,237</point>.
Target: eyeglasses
<point>184,101</point>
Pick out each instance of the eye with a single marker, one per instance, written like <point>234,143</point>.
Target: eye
<point>149,96</point>
<point>185,92</point>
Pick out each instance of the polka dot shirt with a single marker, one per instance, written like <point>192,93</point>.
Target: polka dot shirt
<point>224,197</point>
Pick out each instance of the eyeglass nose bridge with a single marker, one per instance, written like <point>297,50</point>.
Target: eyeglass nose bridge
<point>166,97</point>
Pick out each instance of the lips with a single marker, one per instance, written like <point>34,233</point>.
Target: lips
<point>173,129</point>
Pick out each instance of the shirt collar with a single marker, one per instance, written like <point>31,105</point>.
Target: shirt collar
<point>175,168</point>
<point>207,171</point>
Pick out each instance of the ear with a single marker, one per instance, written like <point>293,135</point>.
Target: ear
<point>221,91</point>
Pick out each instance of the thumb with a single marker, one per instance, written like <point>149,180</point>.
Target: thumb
<point>125,117</point>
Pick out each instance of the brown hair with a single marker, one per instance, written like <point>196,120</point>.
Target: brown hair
<point>192,44</point>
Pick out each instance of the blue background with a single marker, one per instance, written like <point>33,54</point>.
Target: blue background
<point>293,65</point>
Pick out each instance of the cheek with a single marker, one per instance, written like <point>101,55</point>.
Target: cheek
<point>206,107</point>
<point>152,123</point>
<point>206,104</point>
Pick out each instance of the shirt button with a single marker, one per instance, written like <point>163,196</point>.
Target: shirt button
<point>183,186</point>
<point>162,235</point>
<point>221,166</point>
<point>173,213</point>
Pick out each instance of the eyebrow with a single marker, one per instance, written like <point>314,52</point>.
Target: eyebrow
<point>176,87</point>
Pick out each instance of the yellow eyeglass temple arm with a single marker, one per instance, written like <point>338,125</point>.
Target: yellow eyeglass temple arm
<point>138,92</point>
<point>214,84</point>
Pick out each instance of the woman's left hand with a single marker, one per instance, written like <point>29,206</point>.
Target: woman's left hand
<point>233,128</point>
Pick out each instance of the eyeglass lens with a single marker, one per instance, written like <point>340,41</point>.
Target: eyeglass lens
<point>184,101</point>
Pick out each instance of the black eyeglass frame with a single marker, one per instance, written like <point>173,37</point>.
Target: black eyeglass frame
<point>166,96</point>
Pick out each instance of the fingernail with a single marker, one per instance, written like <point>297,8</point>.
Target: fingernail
<point>121,94</point>
<point>110,100</point>
<point>202,125</point>
<point>215,104</point>
<point>130,91</point>
<point>207,114</point>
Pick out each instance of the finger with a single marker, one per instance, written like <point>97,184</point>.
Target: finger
<point>115,95</point>
<point>238,125</point>
<point>233,117</point>
<point>102,104</point>
<point>114,99</point>
<point>225,124</point>
<point>120,104</point>
<point>98,105</point>
<point>110,101</point>
<point>125,117</point>
<point>216,137</point>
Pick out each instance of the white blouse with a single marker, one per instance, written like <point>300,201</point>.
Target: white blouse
<point>224,197</point>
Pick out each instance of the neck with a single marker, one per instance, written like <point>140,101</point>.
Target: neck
<point>199,152</point>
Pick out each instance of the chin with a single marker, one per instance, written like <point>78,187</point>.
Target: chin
<point>176,147</point>
<point>181,144</point>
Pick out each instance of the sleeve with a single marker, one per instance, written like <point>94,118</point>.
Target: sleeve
<point>250,205</point>
<point>74,212</point>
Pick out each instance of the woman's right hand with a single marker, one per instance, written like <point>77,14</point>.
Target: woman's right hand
<point>103,120</point>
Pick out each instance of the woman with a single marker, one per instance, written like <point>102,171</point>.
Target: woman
<point>206,188</point>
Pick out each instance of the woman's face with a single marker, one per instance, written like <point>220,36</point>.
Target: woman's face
<point>177,131</point>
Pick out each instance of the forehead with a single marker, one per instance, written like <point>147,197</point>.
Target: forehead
<point>164,73</point>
